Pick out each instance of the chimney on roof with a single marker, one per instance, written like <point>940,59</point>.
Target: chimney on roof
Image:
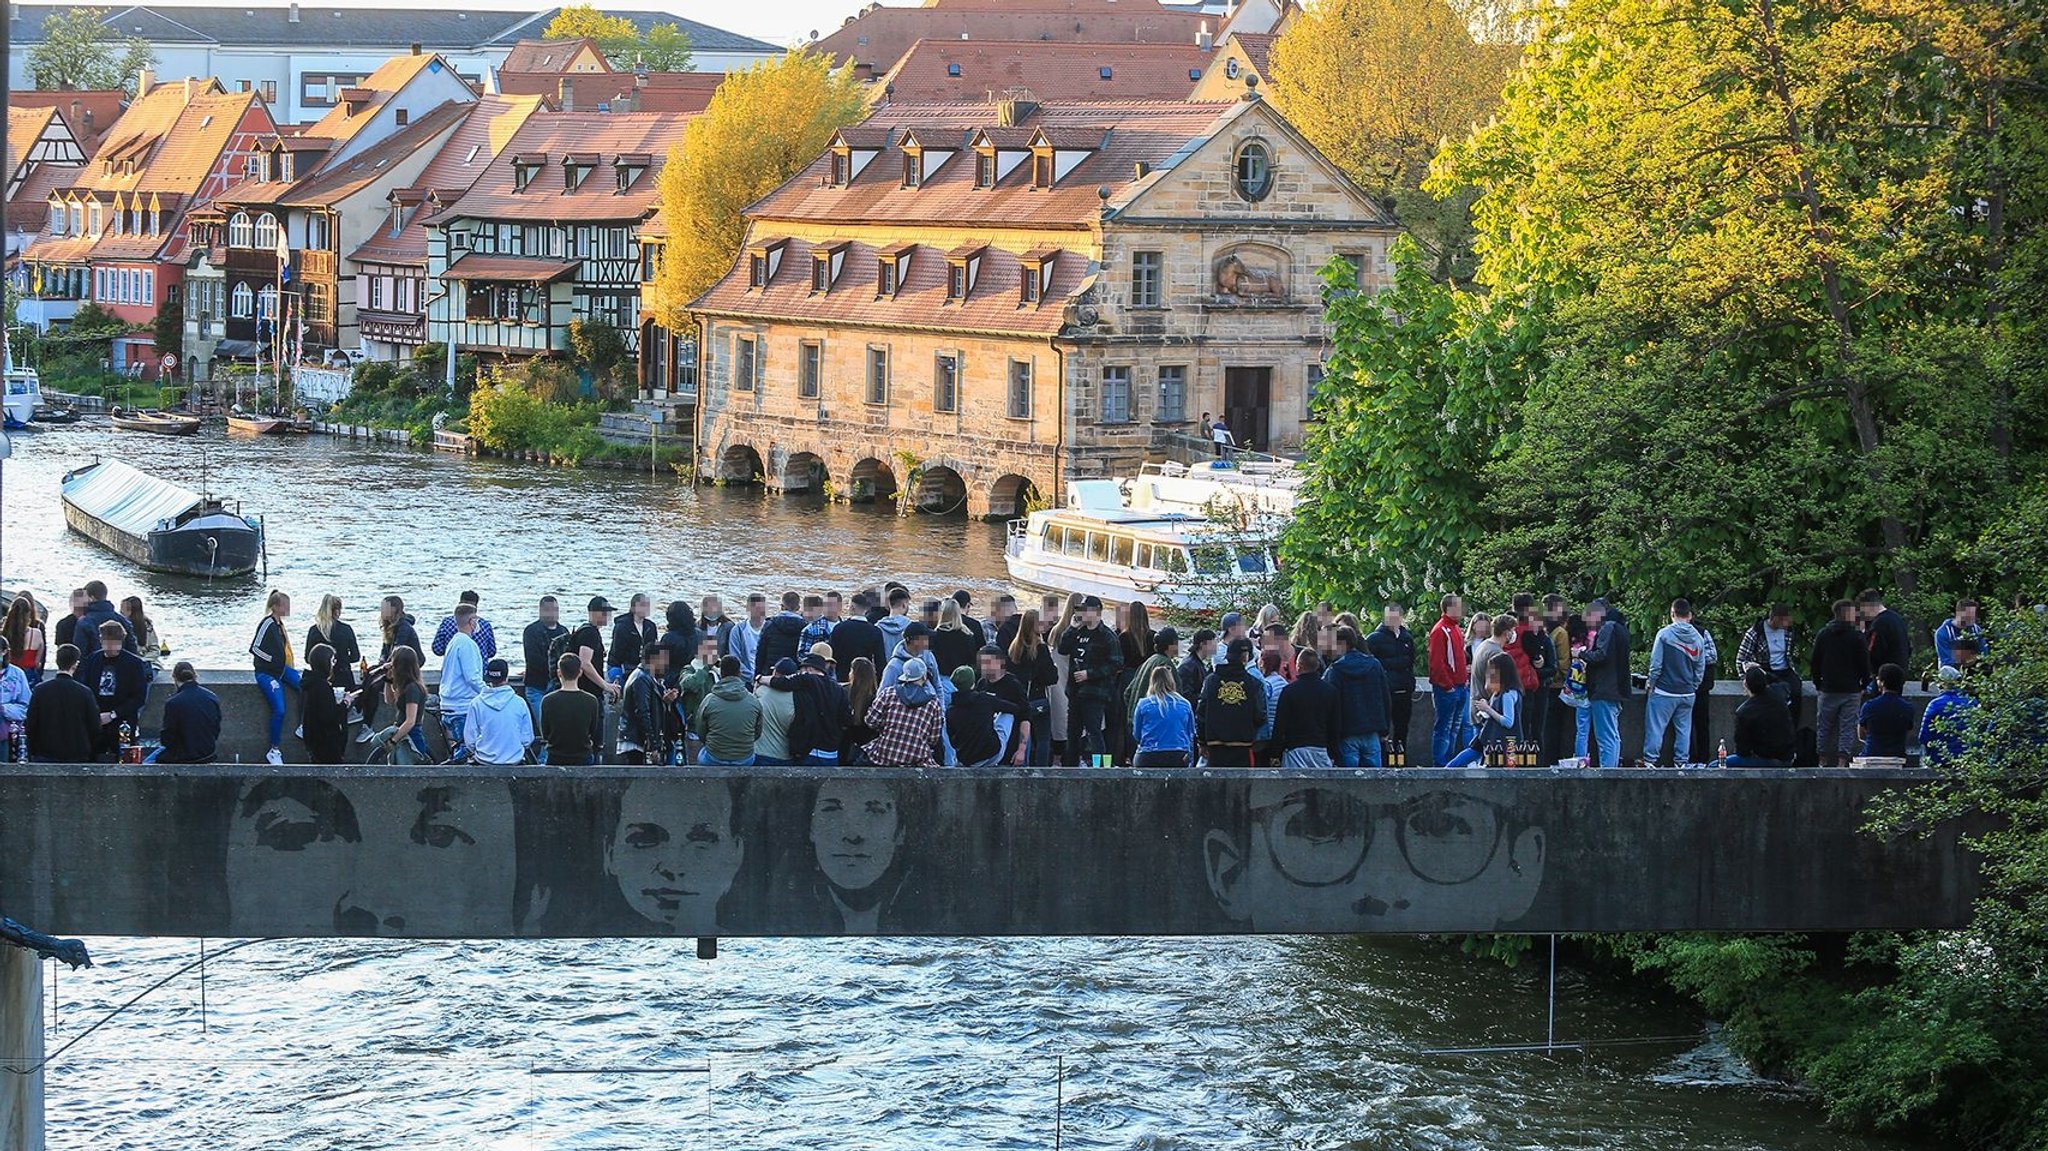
<point>76,110</point>
<point>415,48</point>
<point>566,94</point>
<point>1013,112</point>
<point>1204,39</point>
<point>145,79</point>
<point>292,14</point>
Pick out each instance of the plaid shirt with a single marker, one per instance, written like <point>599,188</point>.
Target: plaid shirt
<point>909,735</point>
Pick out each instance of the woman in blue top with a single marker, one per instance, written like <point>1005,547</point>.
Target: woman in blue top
<point>1164,722</point>
<point>1498,714</point>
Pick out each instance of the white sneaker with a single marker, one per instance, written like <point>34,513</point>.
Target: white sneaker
<point>273,757</point>
<point>365,735</point>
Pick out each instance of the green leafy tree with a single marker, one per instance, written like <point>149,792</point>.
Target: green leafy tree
<point>1420,383</point>
<point>80,51</point>
<point>167,329</point>
<point>763,126</point>
<point>663,48</point>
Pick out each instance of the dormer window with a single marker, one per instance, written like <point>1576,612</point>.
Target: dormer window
<point>1041,168</point>
<point>963,268</point>
<point>892,267</point>
<point>576,168</point>
<point>284,166</point>
<point>95,219</point>
<point>525,167</point>
<point>763,261</point>
<point>57,217</point>
<point>1035,278</point>
<point>839,170</point>
<point>628,169</point>
<point>853,149</point>
<point>984,169</point>
<point>913,168</point>
<point>1054,155</point>
<point>827,261</point>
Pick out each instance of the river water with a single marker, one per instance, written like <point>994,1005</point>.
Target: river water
<point>861,1043</point>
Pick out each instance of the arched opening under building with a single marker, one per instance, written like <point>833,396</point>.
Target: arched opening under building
<point>1010,496</point>
<point>870,479</point>
<point>740,464</point>
<point>803,472</point>
<point>940,491</point>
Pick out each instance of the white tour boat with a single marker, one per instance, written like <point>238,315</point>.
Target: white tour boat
<point>1099,545</point>
<point>1219,489</point>
<point>24,389</point>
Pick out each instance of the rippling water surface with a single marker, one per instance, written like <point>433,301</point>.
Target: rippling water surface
<point>1100,1043</point>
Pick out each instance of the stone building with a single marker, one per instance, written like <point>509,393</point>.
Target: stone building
<point>1003,297</point>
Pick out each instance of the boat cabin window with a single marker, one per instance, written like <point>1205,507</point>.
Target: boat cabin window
<point>1098,547</point>
<point>1120,550</point>
<point>1212,559</point>
<point>1251,561</point>
<point>1176,559</point>
<point>1076,542</point>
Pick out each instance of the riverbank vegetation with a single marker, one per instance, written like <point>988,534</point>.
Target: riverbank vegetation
<point>1756,316</point>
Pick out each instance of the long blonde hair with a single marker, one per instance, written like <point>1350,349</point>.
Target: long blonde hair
<point>1059,630</point>
<point>1268,615</point>
<point>1165,682</point>
<point>1306,628</point>
<point>330,610</point>
<point>1024,646</point>
<point>949,615</point>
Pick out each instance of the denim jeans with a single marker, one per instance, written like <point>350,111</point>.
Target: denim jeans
<point>708,760</point>
<point>1359,751</point>
<point>452,726</point>
<point>533,697</point>
<point>272,687</point>
<point>1662,712</point>
<point>1756,761</point>
<point>1582,735</point>
<point>1606,719</point>
<point>1450,730</point>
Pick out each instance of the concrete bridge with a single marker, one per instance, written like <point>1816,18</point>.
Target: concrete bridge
<point>250,850</point>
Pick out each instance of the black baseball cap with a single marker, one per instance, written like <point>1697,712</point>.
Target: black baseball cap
<point>598,603</point>
<point>497,671</point>
<point>916,630</point>
<point>1091,603</point>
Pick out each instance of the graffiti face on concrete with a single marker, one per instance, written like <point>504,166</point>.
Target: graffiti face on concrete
<point>857,837</point>
<point>675,851</point>
<point>1313,854</point>
<point>349,857</point>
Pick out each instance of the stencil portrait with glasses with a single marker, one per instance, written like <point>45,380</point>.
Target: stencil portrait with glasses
<point>1370,856</point>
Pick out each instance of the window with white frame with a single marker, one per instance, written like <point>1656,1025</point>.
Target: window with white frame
<point>1173,394</point>
<point>243,301</point>
<point>266,232</point>
<point>1116,395</point>
<point>239,232</point>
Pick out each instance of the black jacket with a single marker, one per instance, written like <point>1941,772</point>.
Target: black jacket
<point>628,638</point>
<point>1890,642</point>
<point>781,635</point>
<point>86,633</point>
<point>822,712</point>
<point>63,721</point>
<point>640,713</point>
<point>119,685</point>
<point>533,646</point>
<point>191,730</point>
<point>324,720</point>
<point>954,648</point>
<point>402,635</point>
<point>971,724</point>
<point>1396,653</point>
<point>342,638</point>
<point>1194,672</point>
<point>1303,716</point>
<point>1841,663</point>
<point>267,648</point>
<point>1097,651</point>
<point>1362,704</point>
<point>1233,706</point>
<point>1763,730</point>
<point>854,638</point>
<point>1607,661</point>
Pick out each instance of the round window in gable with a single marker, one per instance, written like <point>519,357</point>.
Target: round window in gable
<point>1254,171</point>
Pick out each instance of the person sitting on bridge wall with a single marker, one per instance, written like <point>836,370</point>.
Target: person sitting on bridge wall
<point>63,717</point>
<point>120,680</point>
<point>1764,736</point>
<point>191,730</point>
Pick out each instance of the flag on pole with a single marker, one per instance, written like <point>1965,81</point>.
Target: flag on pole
<point>299,340</point>
<point>284,260</point>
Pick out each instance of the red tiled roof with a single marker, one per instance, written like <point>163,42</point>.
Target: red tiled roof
<point>993,306</point>
<point>551,56</point>
<point>366,98</point>
<point>1051,71</point>
<point>879,36</point>
<point>515,269</point>
<point>1258,50</point>
<point>490,124</point>
<point>104,107</point>
<point>1148,131</point>
<point>334,184</point>
<point>555,133</point>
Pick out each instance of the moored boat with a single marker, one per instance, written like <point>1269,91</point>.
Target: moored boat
<point>257,425</point>
<point>1098,546</point>
<point>24,396</point>
<point>52,414</point>
<point>162,423</point>
<point>157,524</point>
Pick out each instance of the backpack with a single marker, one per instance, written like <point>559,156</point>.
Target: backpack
<point>557,648</point>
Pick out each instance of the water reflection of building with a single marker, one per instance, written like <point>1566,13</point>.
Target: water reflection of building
<point>1016,295</point>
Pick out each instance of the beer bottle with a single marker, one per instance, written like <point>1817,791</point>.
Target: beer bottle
<point>1721,755</point>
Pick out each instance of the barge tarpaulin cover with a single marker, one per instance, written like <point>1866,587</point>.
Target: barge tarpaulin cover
<point>127,500</point>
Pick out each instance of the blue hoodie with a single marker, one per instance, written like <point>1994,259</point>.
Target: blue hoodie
<point>1364,701</point>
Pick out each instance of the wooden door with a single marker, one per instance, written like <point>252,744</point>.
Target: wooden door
<point>1248,405</point>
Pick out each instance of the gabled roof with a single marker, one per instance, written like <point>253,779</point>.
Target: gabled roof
<point>881,34</point>
<point>331,185</point>
<point>554,57</point>
<point>619,91</point>
<point>175,134</point>
<point>1258,50</point>
<point>349,117</point>
<point>24,127</point>
<point>1049,71</point>
<point>88,113</point>
<point>1121,134</point>
<point>488,126</point>
<point>389,28</point>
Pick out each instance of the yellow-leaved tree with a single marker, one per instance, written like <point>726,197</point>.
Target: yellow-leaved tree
<point>763,126</point>
<point>1378,85</point>
<point>664,47</point>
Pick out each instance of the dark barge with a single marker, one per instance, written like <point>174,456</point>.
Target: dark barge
<point>158,524</point>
